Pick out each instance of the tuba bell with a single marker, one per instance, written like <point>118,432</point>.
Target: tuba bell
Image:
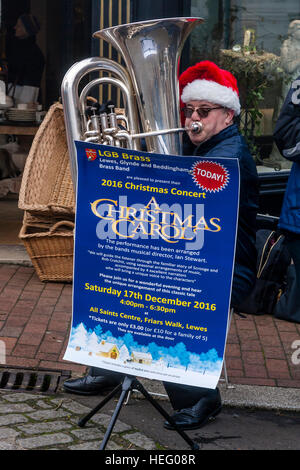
<point>149,86</point>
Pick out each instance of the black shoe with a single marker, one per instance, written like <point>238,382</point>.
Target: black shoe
<point>89,385</point>
<point>198,415</point>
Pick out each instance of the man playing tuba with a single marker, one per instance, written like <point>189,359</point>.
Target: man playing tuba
<point>210,99</point>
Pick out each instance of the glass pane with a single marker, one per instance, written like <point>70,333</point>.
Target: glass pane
<point>259,42</point>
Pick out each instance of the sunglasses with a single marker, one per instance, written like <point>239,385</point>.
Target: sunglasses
<point>202,112</point>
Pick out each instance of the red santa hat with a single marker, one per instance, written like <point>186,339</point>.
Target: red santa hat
<point>206,81</point>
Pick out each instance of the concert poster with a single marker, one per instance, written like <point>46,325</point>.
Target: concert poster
<point>153,263</point>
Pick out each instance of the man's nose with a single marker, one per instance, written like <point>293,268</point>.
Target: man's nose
<point>196,113</point>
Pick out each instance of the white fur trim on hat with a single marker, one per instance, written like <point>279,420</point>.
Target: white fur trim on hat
<point>211,91</point>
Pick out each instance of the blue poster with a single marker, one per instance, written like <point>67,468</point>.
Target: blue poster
<point>153,263</point>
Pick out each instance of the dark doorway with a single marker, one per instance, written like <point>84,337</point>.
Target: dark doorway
<point>65,36</point>
<point>68,40</point>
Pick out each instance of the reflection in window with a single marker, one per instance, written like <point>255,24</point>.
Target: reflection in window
<point>149,47</point>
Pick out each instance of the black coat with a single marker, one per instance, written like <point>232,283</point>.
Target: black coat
<point>287,138</point>
<point>229,143</point>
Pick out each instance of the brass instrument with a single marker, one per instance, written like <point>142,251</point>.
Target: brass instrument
<point>149,85</point>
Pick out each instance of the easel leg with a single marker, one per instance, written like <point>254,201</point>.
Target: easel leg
<point>105,400</point>
<point>141,389</point>
<point>128,384</point>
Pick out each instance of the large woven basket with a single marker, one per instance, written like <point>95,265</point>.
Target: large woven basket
<point>47,185</point>
<point>45,221</point>
<point>50,249</point>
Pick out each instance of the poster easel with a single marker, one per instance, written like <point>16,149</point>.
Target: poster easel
<point>129,383</point>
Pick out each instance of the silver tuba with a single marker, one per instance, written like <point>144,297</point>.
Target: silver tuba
<point>149,86</point>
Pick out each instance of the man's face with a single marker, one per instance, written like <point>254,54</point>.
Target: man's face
<point>216,120</point>
<point>20,31</point>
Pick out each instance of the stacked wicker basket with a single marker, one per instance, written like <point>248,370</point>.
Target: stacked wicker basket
<point>48,201</point>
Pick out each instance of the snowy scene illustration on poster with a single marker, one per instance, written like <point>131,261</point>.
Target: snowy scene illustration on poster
<point>153,263</point>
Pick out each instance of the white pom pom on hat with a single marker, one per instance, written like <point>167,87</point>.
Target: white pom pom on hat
<point>206,81</point>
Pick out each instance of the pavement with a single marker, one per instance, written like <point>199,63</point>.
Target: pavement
<point>262,359</point>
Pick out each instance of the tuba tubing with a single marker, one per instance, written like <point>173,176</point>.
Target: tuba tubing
<point>149,85</point>
<point>71,100</point>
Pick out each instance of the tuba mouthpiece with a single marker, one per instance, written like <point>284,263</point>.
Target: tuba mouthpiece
<point>196,128</point>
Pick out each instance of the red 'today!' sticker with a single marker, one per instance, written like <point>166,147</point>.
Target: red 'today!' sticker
<point>210,176</point>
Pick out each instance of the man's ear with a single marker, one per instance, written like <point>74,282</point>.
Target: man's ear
<point>229,116</point>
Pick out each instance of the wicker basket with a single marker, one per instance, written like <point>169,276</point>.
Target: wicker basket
<point>50,249</point>
<point>47,185</point>
<point>44,220</point>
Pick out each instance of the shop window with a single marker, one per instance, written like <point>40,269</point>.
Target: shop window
<point>256,41</point>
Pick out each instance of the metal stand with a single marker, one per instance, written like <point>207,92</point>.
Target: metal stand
<point>130,383</point>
